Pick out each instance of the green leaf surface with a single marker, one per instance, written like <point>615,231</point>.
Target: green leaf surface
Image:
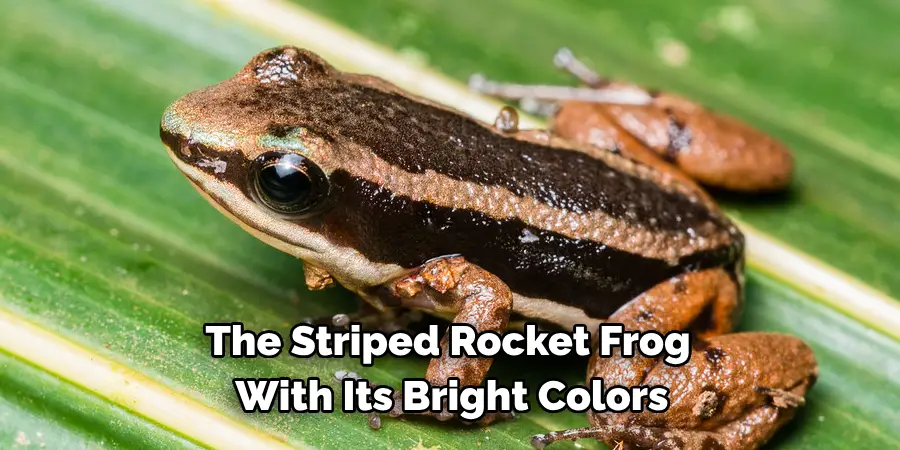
<point>37,410</point>
<point>105,245</point>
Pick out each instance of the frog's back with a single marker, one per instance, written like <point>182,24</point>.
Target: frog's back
<point>417,181</point>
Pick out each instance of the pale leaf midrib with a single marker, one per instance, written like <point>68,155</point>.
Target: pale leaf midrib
<point>125,387</point>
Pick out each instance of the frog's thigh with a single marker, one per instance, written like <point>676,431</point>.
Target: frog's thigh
<point>475,296</point>
<point>741,386</point>
<point>713,150</point>
<point>734,393</point>
<point>706,302</point>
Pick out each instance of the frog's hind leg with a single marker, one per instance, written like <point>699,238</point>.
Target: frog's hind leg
<point>748,432</point>
<point>725,399</point>
<point>705,302</point>
<point>634,436</point>
<point>714,149</point>
<point>734,392</point>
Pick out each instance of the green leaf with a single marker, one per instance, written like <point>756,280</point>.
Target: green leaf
<point>110,263</point>
<point>38,410</point>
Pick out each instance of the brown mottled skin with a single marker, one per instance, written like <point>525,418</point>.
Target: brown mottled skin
<point>411,204</point>
<point>729,366</point>
<point>716,150</point>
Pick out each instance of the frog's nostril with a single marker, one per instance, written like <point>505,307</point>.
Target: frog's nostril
<point>185,148</point>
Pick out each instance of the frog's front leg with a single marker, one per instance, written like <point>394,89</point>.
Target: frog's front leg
<point>384,318</point>
<point>452,285</point>
<point>734,392</point>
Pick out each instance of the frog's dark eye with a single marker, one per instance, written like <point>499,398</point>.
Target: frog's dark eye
<point>289,183</point>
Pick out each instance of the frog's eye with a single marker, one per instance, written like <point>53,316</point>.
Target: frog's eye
<point>289,183</point>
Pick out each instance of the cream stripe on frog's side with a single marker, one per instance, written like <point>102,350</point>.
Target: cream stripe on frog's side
<point>501,204</point>
<point>360,273</point>
<point>254,218</point>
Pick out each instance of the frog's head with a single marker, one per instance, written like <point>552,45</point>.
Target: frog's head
<point>251,147</point>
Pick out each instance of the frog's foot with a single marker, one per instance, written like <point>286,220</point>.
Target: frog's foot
<point>566,60</point>
<point>734,392</point>
<point>541,99</point>
<point>620,437</point>
<point>445,415</point>
<point>317,278</point>
<point>370,318</point>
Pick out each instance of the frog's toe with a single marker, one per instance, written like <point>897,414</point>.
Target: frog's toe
<point>445,415</point>
<point>636,436</point>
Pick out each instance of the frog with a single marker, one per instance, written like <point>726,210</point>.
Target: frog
<point>414,205</point>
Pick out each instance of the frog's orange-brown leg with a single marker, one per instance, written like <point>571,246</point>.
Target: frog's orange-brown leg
<point>714,149</point>
<point>734,397</point>
<point>452,285</point>
<point>734,392</point>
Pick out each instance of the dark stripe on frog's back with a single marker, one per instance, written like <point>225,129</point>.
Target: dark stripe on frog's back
<point>418,137</point>
<point>585,274</point>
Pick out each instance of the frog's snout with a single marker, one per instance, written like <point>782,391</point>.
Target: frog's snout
<point>167,135</point>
